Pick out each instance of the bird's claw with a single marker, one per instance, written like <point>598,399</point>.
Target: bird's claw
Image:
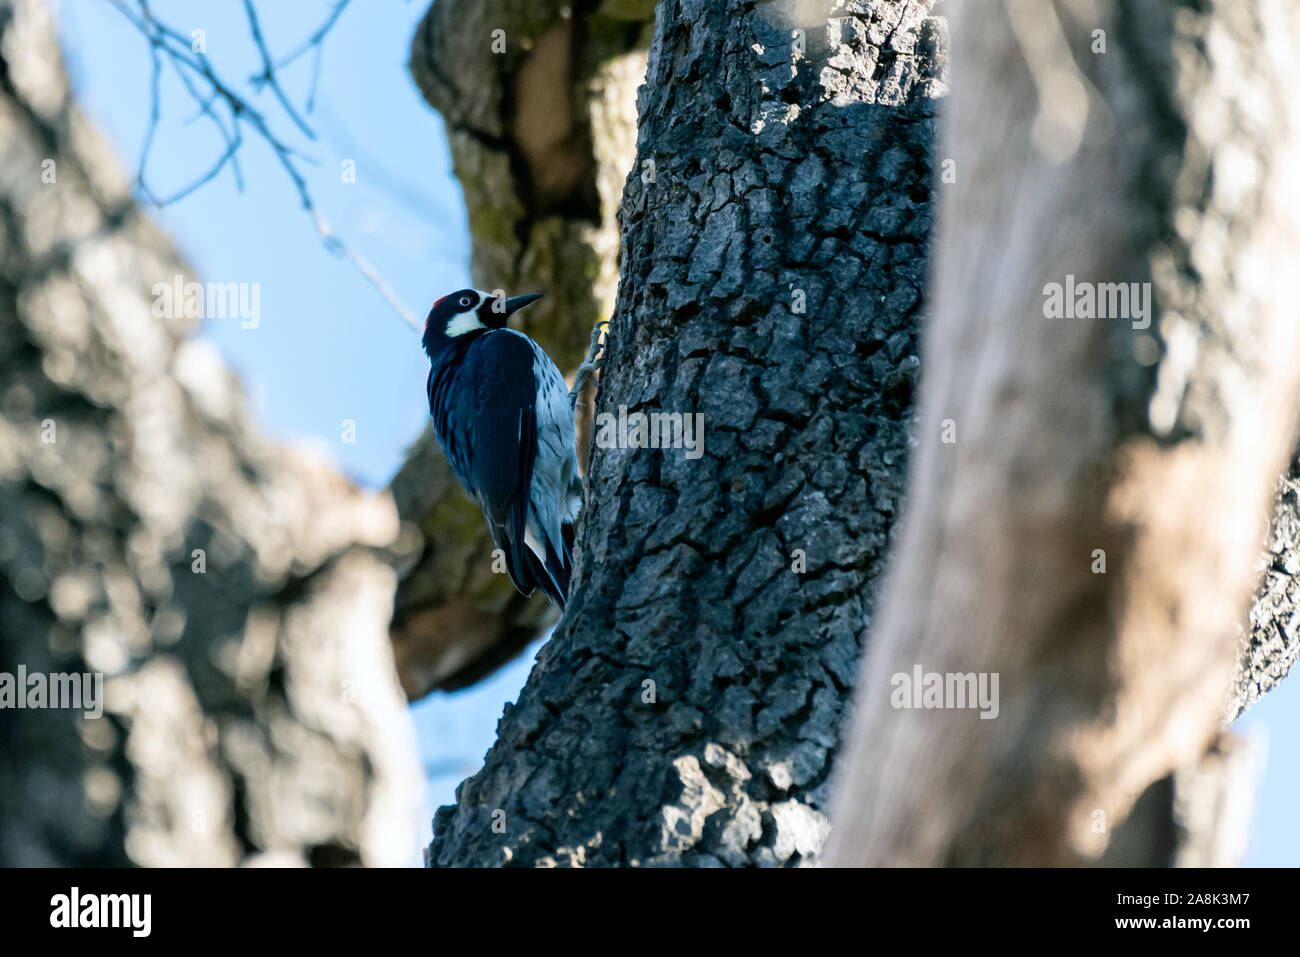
<point>586,372</point>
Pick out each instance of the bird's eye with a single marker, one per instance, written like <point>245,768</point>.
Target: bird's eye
<point>466,301</point>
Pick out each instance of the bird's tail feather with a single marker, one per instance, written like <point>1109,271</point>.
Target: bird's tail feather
<point>529,572</point>
<point>550,578</point>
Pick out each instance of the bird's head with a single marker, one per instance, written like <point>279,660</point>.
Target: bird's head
<point>468,313</point>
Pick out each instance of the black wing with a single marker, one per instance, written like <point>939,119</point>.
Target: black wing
<point>484,411</point>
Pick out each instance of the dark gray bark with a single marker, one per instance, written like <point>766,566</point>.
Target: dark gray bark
<point>252,713</point>
<point>779,176</point>
<point>627,785</point>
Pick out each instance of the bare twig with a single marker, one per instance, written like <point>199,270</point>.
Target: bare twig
<point>195,71</point>
<point>267,76</point>
<point>154,112</point>
<point>368,271</point>
<point>315,43</point>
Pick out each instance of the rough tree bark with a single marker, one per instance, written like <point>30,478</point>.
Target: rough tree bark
<point>252,715</point>
<point>1162,834</point>
<point>1167,159</point>
<point>542,129</point>
<point>252,711</point>
<point>687,707</point>
<point>1271,642</point>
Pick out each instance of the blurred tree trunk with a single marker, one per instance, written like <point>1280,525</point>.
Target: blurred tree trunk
<point>773,254</point>
<point>1089,535</point>
<point>228,590</point>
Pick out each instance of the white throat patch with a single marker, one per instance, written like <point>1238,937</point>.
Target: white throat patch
<point>463,323</point>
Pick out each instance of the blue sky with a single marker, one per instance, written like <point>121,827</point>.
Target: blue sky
<point>328,348</point>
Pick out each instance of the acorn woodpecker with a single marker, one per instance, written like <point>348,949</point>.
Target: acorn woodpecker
<point>506,423</point>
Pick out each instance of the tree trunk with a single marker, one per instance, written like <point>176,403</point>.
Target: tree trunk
<point>227,590</point>
<point>773,254</point>
<point>1089,536</point>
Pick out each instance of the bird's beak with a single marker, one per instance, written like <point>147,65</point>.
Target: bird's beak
<point>515,303</point>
